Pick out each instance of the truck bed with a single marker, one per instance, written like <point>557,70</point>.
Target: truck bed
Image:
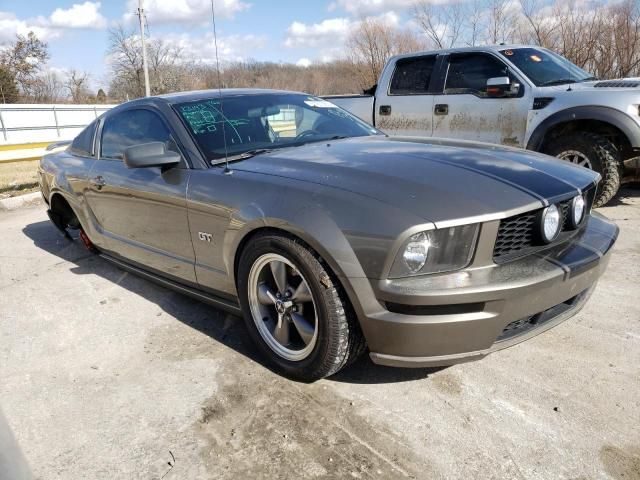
<point>362,106</point>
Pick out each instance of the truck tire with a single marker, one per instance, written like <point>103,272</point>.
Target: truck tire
<point>592,151</point>
<point>322,335</point>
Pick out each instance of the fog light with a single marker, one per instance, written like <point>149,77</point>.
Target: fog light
<point>577,211</point>
<point>550,224</point>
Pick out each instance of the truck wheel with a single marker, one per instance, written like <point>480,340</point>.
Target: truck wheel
<point>592,151</point>
<point>295,309</point>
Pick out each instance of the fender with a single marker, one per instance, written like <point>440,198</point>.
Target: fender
<point>618,119</point>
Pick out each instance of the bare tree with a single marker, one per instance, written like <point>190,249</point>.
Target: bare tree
<point>442,26</point>
<point>371,45</point>
<point>24,59</point>
<point>47,88</point>
<point>77,85</point>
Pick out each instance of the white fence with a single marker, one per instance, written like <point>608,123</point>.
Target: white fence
<point>25,123</point>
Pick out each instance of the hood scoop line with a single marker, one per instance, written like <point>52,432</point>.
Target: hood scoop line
<point>617,84</point>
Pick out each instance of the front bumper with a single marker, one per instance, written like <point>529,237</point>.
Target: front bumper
<point>462,316</point>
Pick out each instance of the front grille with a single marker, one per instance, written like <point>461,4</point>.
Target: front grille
<point>517,235</point>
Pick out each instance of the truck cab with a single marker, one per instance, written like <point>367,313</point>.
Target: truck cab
<point>514,95</point>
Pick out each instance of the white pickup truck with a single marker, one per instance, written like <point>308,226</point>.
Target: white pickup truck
<point>515,95</point>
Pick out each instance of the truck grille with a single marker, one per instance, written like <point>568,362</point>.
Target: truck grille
<point>517,235</point>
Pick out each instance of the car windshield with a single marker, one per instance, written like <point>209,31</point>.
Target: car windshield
<point>255,123</point>
<point>545,68</point>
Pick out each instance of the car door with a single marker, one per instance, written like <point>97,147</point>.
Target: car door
<point>467,110</point>
<point>141,212</point>
<point>406,108</point>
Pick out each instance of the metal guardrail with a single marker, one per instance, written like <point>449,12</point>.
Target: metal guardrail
<point>55,109</point>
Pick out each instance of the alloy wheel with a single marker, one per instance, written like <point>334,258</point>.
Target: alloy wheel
<point>577,158</point>
<point>282,307</point>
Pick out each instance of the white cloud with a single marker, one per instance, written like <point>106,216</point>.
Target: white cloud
<point>303,62</point>
<point>329,35</point>
<point>367,7</point>
<point>185,11</point>
<point>80,15</point>
<point>332,30</point>
<point>231,48</point>
<point>10,26</point>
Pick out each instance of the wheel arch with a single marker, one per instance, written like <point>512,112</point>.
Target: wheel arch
<point>59,205</point>
<point>341,268</point>
<point>595,119</point>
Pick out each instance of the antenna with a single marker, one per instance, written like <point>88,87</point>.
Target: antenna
<point>227,171</point>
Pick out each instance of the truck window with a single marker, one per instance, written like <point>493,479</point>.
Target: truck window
<point>468,73</point>
<point>412,76</point>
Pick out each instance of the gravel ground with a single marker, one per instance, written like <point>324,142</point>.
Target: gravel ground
<point>105,375</point>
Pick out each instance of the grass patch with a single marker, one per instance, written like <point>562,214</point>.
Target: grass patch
<point>18,176</point>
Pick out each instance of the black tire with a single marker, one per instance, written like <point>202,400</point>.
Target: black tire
<point>339,339</point>
<point>603,156</point>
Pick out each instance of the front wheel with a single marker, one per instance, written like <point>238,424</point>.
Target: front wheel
<point>595,152</point>
<point>294,310</point>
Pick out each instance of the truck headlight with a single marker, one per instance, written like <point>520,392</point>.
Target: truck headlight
<point>435,251</point>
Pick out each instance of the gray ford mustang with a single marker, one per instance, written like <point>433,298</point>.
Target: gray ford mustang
<point>329,237</point>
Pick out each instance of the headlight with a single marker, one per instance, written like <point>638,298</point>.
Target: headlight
<point>549,224</point>
<point>435,251</point>
<point>578,207</point>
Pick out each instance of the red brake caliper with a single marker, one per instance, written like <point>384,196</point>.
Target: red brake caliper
<point>87,243</point>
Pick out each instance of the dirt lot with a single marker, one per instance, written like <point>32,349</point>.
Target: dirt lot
<point>17,176</point>
<point>105,375</point>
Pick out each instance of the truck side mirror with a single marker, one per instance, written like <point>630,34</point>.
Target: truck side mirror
<point>502,87</point>
<point>152,154</point>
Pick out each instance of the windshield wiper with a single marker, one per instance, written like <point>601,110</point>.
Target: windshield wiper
<point>240,156</point>
<point>588,79</point>
<point>558,82</point>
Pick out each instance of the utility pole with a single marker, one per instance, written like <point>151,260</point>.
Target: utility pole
<point>147,90</point>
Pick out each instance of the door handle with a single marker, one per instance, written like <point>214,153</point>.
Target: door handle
<point>98,182</point>
<point>441,109</point>
<point>385,110</point>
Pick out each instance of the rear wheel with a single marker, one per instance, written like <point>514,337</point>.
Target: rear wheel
<point>294,310</point>
<point>595,152</point>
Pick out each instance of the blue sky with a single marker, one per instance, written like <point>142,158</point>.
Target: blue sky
<point>297,31</point>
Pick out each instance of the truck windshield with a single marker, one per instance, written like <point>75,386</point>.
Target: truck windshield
<point>255,123</point>
<point>545,68</point>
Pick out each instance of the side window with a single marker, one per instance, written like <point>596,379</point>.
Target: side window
<point>83,144</point>
<point>469,73</point>
<point>412,76</point>
<point>133,127</point>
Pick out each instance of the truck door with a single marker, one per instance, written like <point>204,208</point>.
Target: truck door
<point>469,110</point>
<point>406,108</point>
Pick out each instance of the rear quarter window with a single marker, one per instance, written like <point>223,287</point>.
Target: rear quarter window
<point>83,144</point>
<point>412,76</point>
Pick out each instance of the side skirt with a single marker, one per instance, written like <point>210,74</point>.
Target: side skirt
<point>221,303</point>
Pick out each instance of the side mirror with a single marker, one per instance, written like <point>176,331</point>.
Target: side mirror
<point>152,154</point>
<point>502,87</point>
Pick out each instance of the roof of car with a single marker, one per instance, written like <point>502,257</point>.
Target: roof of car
<point>215,93</point>
<point>479,48</point>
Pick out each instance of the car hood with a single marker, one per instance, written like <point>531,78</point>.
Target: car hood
<point>631,85</point>
<point>442,181</point>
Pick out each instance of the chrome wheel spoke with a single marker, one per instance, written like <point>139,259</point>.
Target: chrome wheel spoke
<point>302,293</point>
<point>281,332</point>
<point>265,296</point>
<point>304,327</point>
<point>283,307</point>
<point>279,272</point>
